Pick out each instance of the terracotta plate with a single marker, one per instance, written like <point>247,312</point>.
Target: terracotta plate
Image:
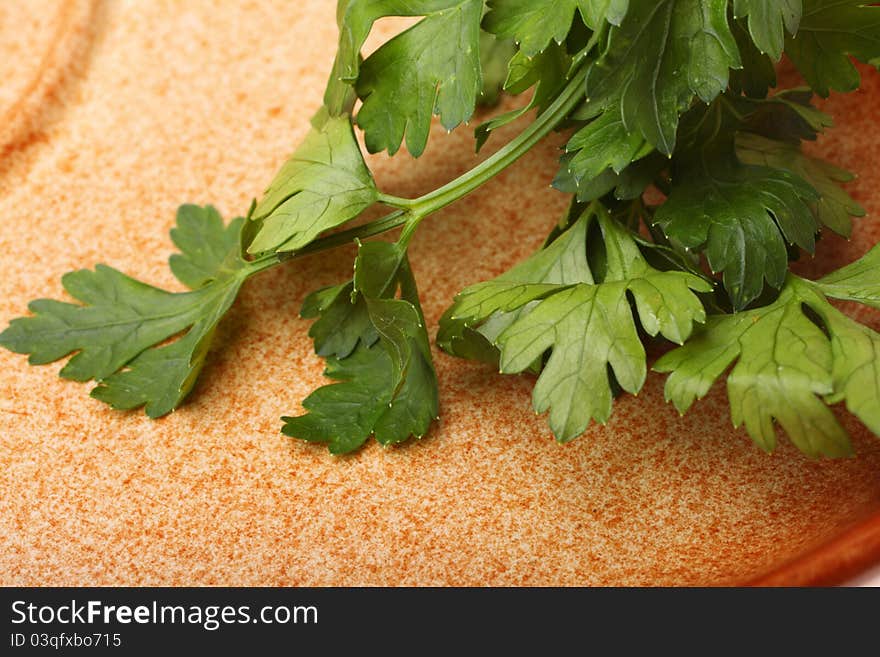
<point>123,111</point>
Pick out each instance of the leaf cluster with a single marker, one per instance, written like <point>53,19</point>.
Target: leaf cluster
<point>678,98</point>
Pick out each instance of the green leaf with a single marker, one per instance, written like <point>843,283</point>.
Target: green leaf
<point>769,20</point>
<point>588,326</point>
<point>627,185</point>
<point>116,329</point>
<point>855,372</point>
<point>786,116</point>
<point>343,414</point>
<point>495,56</point>
<point>533,24</point>
<point>545,71</point>
<point>388,387</point>
<point>482,311</point>
<point>207,248</point>
<point>786,362</point>
<point>835,207</point>
<point>392,400</point>
<point>323,185</point>
<point>663,53</point>
<point>858,281</point>
<point>830,31</point>
<point>342,321</point>
<point>596,11</point>
<point>730,211</point>
<point>355,19</point>
<point>758,73</point>
<point>431,68</point>
<point>741,215</point>
<point>602,144</point>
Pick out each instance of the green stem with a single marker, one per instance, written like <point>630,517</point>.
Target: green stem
<point>393,201</point>
<point>411,211</point>
<point>567,100</point>
<point>343,237</point>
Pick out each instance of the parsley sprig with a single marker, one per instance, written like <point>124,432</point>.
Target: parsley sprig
<point>672,95</point>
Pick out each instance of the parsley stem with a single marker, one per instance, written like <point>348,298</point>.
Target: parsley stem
<point>386,223</point>
<point>343,237</point>
<point>571,95</point>
<point>412,211</point>
<point>395,201</point>
<point>565,102</point>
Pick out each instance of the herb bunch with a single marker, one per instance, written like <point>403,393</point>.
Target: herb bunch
<point>675,96</point>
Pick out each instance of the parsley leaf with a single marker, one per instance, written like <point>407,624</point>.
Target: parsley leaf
<point>834,206</point>
<point>355,19</point>
<point>588,326</point>
<point>767,18</point>
<point>602,144</point>
<point>741,214</point>
<point>324,184</point>
<point>495,56</point>
<point>342,321</point>
<point>207,249</point>
<point>594,12</point>
<point>731,211</point>
<point>858,281</point>
<point>481,312</point>
<point>665,96</point>
<point>115,330</point>
<point>758,73</point>
<point>533,24</point>
<point>387,388</point>
<point>787,362</point>
<point>627,185</point>
<point>690,49</point>
<point>431,68</point>
<point>786,116</point>
<point>545,71</point>
<point>830,31</point>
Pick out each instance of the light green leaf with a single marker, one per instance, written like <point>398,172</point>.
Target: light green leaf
<point>858,281</point>
<point>786,362</point>
<point>482,311</point>
<point>855,372</point>
<point>116,329</point>
<point>588,326</point>
<point>431,68</point>
<point>323,185</point>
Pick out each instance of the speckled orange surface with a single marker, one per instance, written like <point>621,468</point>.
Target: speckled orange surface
<point>113,113</point>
